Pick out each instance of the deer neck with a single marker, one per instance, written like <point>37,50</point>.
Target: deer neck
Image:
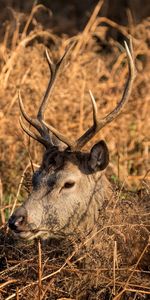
<point>95,216</point>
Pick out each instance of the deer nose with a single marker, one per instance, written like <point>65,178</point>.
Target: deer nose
<point>18,220</point>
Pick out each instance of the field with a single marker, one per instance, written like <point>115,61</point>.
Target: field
<point>32,270</point>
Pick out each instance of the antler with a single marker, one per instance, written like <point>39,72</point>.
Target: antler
<point>45,130</point>
<point>38,123</point>
<point>99,124</point>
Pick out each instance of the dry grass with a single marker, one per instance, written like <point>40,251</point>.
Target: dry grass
<point>100,67</point>
<point>57,269</point>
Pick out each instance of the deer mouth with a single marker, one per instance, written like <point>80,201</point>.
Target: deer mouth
<point>22,229</point>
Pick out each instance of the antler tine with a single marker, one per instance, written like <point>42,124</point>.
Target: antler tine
<point>36,137</point>
<point>59,135</point>
<point>99,124</point>
<point>54,70</point>
<point>35,123</point>
<point>94,107</point>
<point>31,121</point>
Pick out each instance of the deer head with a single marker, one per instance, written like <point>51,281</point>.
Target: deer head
<point>70,188</point>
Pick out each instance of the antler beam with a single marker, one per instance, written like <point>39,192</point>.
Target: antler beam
<point>38,123</point>
<point>99,124</point>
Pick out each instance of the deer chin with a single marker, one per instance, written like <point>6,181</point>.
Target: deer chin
<point>26,235</point>
<point>29,235</point>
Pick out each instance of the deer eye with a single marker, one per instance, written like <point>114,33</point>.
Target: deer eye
<point>69,184</point>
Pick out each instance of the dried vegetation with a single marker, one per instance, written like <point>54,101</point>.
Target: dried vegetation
<point>26,271</point>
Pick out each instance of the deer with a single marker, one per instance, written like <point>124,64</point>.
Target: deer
<point>70,190</point>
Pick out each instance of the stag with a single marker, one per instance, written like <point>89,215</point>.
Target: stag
<point>70,192</point>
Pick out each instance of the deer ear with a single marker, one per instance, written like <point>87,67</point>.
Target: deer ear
<point>99,156</point>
